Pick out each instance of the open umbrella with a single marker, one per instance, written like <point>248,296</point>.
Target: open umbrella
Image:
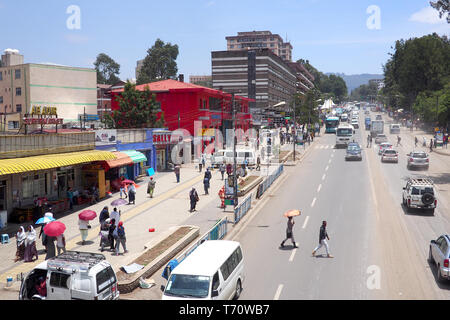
<point>54,228</point>
<point>292,213</point>
<point>119,202</point>
<point>87,215</point>
<point>126,181</point>
<point>44,220</point>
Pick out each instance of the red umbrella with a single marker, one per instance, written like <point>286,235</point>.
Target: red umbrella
<point>87,215</point>
<point>54,228</point>
<point>127,182</point>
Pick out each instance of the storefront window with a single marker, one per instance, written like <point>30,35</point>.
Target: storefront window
<point>34,185</point>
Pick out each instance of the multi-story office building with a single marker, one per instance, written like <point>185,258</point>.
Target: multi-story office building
<point>72,91</point>
<point>139,65</point>
<point>255,74</point>
<point>259,40</point>
<point>195,79</point>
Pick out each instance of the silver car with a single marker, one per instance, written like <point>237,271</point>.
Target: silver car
<point>418,159</point>
<point>439,254</point>
<point>381,138</point>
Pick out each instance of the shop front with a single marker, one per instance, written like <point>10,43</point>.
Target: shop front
<point>115,170</point>
<point>137,169</point>
<point>40,181</point>
<point>162,142</point>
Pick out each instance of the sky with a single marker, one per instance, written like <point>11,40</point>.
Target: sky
<point>345,36</point>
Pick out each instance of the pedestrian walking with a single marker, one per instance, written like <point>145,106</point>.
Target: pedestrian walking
<point>49,246</point>
<point>151,187</point>
<point>70,197</point>
<point>177,172</point>
<point>289,234</point>
<point>415,141</point>
<point>222,169</point>
<point>368,140</point>
<point>112,228</point>
<point>132,194</point>
<point>30,245</point>
<point>104,214</point>
<point>61,243</point>
<point>193,197</point>
<point>229,169</point>
<point>431,145</point>
<point>258,163</point>
<point>84,226</point>
<point>323,236</point>
<point>206,180</point>
<point>123,188</point>
<point>399,139</point>
<point>115,215</point>
<point>119,234</point>
<point>20,244</point>
<point>445,140</point>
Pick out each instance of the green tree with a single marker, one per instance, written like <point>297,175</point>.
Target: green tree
<point>434,106</point>
<point>137,109</point>
<point>306,106</point>
<point>160,63</point>
<point>107,69</point>
<point>443,6</point>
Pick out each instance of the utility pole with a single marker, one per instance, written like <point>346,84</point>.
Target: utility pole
<point>233,110</point>
<point>295,130</point>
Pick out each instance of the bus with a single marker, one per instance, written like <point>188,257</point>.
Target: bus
<point>344,134</point>
<point>331,124</point>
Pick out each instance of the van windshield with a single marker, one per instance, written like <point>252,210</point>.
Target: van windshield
<point>188,286</point>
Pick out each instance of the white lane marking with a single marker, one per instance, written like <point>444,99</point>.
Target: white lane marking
<point>278,293</point>
<point>291,258</point>
<point>326,147</point>
<point>323,177</point>
<point>313,202</point>
<point>329,161</point>
<point>320,187</point>
<point>334,150</point>
<point>305,223</point>
<point>332,155</point>
<point>326,169</point>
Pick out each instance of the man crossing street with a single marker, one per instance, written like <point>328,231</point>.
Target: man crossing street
<point>323,236</point>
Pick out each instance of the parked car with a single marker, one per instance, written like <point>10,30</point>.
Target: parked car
<point>419,193</point>
<point>378,117</point>
<point>353,151</point>
<point>439,254</point>
<point>389,155</point>
<point>384,146</point>
<point>418,159</point>
<point>72,275</point>
<point>380,138</point>
<point>394,128</point>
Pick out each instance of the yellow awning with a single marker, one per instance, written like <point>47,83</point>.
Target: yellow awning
<point>50,161</point>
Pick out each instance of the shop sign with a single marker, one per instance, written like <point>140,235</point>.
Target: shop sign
<point>106,136</point>
<point>42,115</point>
<point>162,137</point>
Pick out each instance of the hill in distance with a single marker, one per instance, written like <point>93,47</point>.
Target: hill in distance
<point>355,80</point>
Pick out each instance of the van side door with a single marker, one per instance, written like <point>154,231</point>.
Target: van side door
<point>58,286</point>
<point>215,286</point>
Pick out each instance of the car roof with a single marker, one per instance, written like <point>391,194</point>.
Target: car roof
<point>385,143</point>
<point>207,258</point>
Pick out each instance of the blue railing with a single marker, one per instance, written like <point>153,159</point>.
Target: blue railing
<point>268,182</point>
<point>242,209</point>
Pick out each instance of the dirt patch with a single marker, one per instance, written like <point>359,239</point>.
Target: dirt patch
<point>247,182</point>
<point>151,254</point>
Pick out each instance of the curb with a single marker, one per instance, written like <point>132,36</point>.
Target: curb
<point>247,189</point>
<point>128,286</point>
<point>441,152</point>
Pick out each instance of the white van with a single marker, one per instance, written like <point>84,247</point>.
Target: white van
<point>394,128</point>
<point>72,275</point>
<point>213,271</point>
<point>241,155</point>
<point>218,158</point>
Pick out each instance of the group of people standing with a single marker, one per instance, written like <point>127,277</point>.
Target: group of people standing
<point>26,244</point>
<point>112,231</point>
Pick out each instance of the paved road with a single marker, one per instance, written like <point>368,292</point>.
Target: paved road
<point>370,232</point>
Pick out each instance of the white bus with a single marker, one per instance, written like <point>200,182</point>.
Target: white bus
<point>344,134</point>
<point>213,271</point>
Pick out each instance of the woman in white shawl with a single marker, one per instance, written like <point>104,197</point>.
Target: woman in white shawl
<point>20,241</point>
<point>30,245</point>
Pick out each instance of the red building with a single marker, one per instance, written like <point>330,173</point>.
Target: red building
<point>184,103</point>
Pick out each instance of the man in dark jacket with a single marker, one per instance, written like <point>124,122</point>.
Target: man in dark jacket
<point>104,214</point>
<point>206,180</point>
<point>193,197</point>
<point>323,236</point>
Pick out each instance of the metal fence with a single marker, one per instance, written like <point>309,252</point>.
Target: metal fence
<point>242,209</point>
<point>268,182</point>
<point>217,232</point>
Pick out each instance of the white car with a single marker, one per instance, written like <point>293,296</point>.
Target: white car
<point>389,155</point>
<point>380,138</point>
<point>384,146</point>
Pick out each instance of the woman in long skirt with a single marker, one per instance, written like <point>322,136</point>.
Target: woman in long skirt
<point>30,245</point>
<point>20,242</point>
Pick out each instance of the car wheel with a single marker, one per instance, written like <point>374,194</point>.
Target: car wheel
<point>430,257</point>
<point>439,274</point>
<point>238,290</point>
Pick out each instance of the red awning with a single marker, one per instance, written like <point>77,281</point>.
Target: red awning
<point>122,160</point>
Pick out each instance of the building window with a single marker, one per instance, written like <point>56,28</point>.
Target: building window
<point>18,91</point>
<point>17,73</point>
<point>1,76</point>
<point>18,108</point>
<point>13,125</point>
<point>232,46</point>
<point>1,99</point>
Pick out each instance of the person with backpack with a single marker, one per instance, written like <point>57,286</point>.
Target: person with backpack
<point>120,238</point>
<point>323,236</point>
<point>193,197</point>
<point>206,180</point>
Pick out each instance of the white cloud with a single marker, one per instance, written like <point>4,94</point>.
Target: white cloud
<point>427,15</point>
<point>76,38</point>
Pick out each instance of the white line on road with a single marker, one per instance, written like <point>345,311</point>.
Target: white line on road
<point>292,255</point>
<point>329,161</point>
<point>320,187</point>
<point>323,177</point>
<point>326,169</point>
<point>305,223</point>
<point>278,293</point>
<point>313,202</point>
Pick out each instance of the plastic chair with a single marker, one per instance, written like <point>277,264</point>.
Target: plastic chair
<point>5,238</point>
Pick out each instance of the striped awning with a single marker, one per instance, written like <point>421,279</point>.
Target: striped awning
<point>136,156</point>
<point>50,161</point>
<point>122,159</point>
